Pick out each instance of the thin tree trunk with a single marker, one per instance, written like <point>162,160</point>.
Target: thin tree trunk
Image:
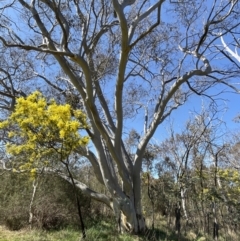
<point>208,223</point>
<point>215,222</point>
<point>178,220</point>
<point>183,201</point>
<point>78,202</point>
<point>151,199</point>
<point>35,184</point>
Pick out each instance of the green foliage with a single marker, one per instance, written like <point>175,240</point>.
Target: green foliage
<point>230,179</point>
<point>13,208</point>
<point>54,206</point>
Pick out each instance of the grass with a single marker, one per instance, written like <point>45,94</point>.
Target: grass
<point>38,235</point>
<point>99,231</point>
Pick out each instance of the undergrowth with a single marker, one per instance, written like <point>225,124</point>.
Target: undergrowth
<point>98,231</point>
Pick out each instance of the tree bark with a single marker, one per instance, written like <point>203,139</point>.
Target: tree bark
<point>178,220</point>
<point>30,221</point>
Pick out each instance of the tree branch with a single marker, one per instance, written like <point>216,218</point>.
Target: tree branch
<point>143,16</point>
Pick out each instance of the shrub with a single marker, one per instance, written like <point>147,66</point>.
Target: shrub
<point>54,205</point>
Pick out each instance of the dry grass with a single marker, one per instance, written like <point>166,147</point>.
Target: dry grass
<point>102,231</point>
<point>98,233</point>
<point>36,235</point>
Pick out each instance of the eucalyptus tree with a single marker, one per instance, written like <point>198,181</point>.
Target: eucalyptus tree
<point>119,60</point>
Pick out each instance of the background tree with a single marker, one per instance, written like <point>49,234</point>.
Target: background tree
<point>157,53</point>
<point>181,152</point>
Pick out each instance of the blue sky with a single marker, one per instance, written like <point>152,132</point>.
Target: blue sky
<point>228,104</point>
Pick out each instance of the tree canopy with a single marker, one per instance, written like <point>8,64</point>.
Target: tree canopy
<point>38,130</point>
